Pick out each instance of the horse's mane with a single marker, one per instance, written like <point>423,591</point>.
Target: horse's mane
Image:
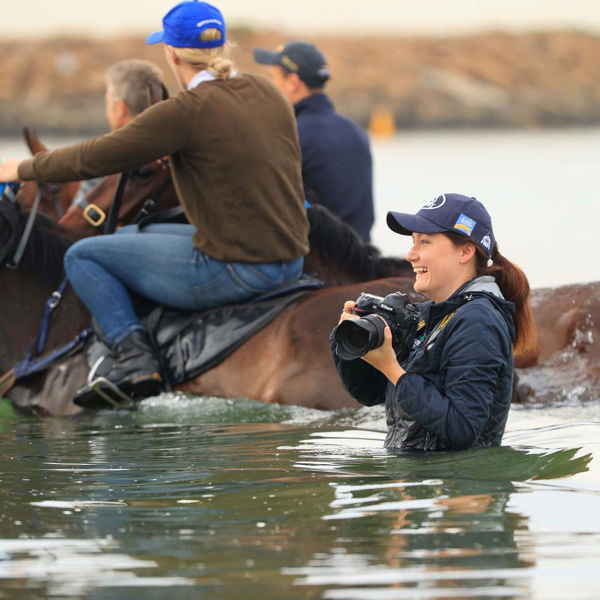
<point>335,241</point>
<point>46,247</point>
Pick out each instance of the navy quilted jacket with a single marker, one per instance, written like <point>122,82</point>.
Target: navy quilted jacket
<point>457,388</point>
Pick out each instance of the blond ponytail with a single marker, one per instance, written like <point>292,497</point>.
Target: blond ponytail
<point>215,60</point>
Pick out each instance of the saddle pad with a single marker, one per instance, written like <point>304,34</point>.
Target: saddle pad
<point>190,343</point>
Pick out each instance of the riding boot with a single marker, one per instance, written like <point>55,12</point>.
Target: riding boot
<point>135,372</point>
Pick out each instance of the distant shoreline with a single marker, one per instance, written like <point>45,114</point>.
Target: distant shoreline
<point>491,80</point>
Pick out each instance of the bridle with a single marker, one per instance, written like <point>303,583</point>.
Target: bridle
<point>54,192</point>
<point>50,200</point>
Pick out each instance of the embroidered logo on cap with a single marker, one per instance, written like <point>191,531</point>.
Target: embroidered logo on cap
<point>486,241</point>
<point>465,224</point>
<point>435,203</point>
<point>208,21</point>
<point>286,61</point>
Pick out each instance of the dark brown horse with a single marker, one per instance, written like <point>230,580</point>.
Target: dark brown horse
<point>150,184</point>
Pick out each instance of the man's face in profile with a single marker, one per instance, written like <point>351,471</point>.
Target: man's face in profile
<point>284,81</point>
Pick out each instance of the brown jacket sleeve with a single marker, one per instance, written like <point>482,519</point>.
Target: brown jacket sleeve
<point>159,131</point>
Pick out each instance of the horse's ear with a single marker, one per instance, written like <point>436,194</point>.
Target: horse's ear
<point>33,141</point>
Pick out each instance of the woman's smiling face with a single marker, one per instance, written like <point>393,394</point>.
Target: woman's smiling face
<point>440,266</point>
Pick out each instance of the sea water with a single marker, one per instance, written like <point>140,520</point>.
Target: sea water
<point>191,497</point>
<point>207,498</point>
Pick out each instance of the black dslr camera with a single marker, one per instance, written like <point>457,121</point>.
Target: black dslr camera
<point>355,337</point>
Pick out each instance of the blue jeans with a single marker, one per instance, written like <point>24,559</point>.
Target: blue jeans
<point>162,265</point>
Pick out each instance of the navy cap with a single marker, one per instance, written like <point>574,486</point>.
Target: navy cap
<point>301,58</point>
<point>449,212</point>
<point>184,23</point>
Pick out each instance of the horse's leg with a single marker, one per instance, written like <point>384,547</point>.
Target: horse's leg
<point>50,394</point>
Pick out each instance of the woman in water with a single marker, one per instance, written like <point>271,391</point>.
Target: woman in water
<point>453,391</point>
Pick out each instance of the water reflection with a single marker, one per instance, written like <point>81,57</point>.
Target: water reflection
<point>294,507</point>
<point>53,561</point>
<point>448,523</point>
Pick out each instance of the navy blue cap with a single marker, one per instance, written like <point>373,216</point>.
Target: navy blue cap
<point>449,212</point>
<point>301,58</point>
<point>184,23</point>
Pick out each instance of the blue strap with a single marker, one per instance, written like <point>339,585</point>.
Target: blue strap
<point>29,366</point>
<point>40,339</point>
<point>51,304</point>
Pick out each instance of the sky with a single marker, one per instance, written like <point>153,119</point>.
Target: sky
<point>35,18</point>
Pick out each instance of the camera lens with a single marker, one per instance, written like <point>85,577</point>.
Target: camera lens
<point>356,337</point>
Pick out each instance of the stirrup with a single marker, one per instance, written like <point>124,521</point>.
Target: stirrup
<point>105,390</point>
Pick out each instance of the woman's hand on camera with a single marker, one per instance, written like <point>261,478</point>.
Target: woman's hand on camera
<point>384,358</point>
<point>348,313</point>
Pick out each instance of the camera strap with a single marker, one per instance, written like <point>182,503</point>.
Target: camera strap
<point>440,326</point>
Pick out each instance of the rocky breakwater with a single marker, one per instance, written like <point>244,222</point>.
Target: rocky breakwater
<point>485,80</point>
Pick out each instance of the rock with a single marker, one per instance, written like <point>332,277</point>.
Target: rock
<point>486,80</point>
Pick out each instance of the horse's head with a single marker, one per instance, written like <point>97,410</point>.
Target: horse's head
<point>151,182</point>
<point>56,197</point>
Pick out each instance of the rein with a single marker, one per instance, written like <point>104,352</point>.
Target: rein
<point>54,189</point>
<point>13,263</point>
<point>111,222</point>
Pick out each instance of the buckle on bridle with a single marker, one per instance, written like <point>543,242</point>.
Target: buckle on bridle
<point>54,299</point>
<point>94,215</point>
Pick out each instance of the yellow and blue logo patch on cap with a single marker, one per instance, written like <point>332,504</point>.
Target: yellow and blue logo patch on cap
<point>465,224</point>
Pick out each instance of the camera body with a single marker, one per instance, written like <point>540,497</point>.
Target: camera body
<point>355,337</point>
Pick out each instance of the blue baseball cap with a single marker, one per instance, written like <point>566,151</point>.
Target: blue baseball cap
<point>449,212</point>
<point>301,58</point>
<point>184,23</point>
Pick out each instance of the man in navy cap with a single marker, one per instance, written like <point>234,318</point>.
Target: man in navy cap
<point>336,159</point>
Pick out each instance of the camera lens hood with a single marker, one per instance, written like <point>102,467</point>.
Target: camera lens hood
<point>355,337</point>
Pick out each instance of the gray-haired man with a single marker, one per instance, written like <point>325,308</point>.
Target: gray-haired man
<point>131,86</point>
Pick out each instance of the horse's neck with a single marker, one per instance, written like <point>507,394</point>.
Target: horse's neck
<point>330,273</point>
<point>22,304</point>
<point>334,273</point>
